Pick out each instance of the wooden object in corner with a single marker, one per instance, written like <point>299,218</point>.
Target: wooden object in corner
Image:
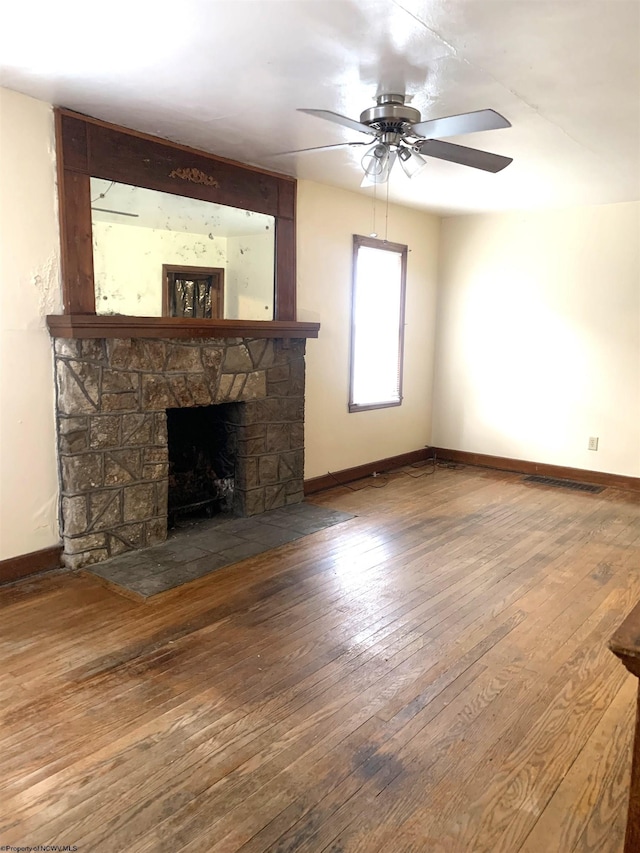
<point>625,644</point>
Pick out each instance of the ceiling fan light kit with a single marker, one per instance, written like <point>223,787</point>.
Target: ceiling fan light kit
<point>375,161</point>
<point>411,161</point>
<point>400,133</point>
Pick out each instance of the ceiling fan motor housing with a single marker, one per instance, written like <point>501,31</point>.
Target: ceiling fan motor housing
<point>391,115</point>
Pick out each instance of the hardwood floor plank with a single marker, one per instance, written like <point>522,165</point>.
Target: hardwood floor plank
<point>429,677</point>
<point>562,826</point>
<point>451,756</point>
<point>474,798</point>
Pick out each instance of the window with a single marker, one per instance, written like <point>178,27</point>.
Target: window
<point>377,323</point>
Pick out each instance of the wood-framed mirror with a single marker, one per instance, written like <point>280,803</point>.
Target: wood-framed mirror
<point>92,150</point>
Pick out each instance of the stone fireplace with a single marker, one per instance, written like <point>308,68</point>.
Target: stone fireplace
<point>112,401</point>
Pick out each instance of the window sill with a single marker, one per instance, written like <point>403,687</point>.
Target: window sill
<point>366,407</point>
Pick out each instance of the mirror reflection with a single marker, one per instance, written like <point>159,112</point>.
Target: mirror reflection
<point>157,254</point>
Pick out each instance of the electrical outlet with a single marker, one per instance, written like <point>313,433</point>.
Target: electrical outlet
<point>593,443</point>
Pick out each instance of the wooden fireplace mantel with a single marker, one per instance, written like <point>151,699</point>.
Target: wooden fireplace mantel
<point>120,326</point>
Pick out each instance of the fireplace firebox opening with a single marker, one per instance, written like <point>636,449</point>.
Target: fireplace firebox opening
<point>202,461</point>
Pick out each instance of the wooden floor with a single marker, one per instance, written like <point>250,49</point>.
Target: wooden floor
<point>430,676</point>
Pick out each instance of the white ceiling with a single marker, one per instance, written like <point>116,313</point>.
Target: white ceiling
<point>228,75</point>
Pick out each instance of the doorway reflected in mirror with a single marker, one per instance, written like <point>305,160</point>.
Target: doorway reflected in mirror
<point>193,292</point>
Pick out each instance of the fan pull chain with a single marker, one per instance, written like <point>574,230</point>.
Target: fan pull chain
<point>374,233</point>
<point>386,215</point>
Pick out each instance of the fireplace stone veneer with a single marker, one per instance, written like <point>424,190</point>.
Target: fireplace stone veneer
<point>112,397</point>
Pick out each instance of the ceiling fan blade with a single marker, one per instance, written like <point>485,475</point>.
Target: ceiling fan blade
<point>457,125</point>
<point>345,121</point>
<point>463,155</point>
<point>320,148</point>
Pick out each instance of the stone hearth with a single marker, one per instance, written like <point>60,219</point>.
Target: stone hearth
<point>112,397</point>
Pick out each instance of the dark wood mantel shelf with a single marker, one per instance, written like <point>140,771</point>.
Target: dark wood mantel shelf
<point>625,644</point>
<point>120,326</point>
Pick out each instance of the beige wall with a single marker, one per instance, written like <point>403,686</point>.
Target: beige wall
<point>29,289</point>
<point>327,220</point>
<point>538,342</point>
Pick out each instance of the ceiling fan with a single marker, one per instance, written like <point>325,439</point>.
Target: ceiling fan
<point>399,133</point>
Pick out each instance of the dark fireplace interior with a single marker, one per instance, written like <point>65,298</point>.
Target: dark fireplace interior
<point>202,459</point>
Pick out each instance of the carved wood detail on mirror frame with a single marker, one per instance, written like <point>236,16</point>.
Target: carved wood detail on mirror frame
<point>87,147</point>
